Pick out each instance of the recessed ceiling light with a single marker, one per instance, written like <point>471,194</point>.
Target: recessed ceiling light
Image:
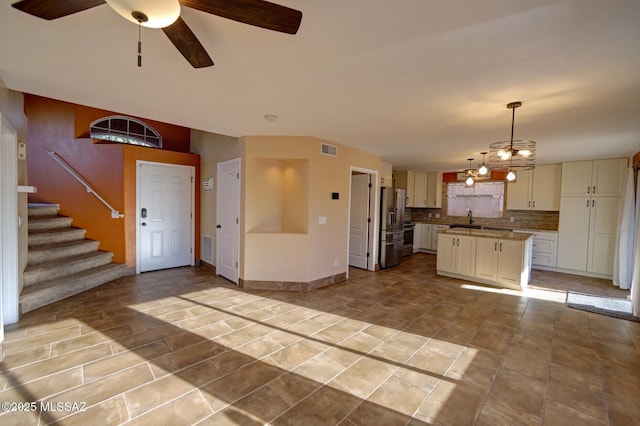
<point>270,117</point>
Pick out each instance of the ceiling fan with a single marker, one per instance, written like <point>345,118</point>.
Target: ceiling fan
<point>165,14</point>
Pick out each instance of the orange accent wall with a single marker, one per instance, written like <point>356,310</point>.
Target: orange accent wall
<point>109,168</point>
<point>495,175</point>
<point>174,138</point>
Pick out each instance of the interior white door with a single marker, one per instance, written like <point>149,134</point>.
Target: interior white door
<point>228,220</point>
<point>9,275</point>
<point>360,221</point>
<point>165,215</point>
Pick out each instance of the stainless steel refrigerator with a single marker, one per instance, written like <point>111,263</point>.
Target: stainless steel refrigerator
<point>391,226</point>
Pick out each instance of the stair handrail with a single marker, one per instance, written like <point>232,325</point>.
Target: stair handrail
<point>115,214</point>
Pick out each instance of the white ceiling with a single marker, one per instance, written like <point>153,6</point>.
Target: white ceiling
<point>423,83</point>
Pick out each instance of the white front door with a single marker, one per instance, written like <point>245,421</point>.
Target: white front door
<point>165,215</point>
<point>228,220</point>
<point>359,221</point>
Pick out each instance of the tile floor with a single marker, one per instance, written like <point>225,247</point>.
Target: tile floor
<point>401,346</point>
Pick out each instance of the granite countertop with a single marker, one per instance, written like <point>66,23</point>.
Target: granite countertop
<point>489,233</point>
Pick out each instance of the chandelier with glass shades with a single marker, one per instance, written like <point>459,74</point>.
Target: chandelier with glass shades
<point>513,155</point>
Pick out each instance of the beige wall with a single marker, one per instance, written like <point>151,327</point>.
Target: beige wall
<point>212,149</point>
<point>12,108</point>
<point>321,251</point>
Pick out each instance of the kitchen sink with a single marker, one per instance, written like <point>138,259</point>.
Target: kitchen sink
<point>465,226</point>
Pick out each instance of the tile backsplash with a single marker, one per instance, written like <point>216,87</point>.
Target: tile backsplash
<point>522,219</point>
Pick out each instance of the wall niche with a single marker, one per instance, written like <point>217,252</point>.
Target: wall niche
<point>278,201</point>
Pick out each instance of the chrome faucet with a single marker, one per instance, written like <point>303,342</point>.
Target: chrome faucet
<point>470,214</point>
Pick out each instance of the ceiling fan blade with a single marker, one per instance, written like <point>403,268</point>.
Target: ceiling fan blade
<point>258,13</point>
<point>49,9</point>
<point>186,42</point>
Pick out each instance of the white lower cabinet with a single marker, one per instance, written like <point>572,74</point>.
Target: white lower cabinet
<point>425,237</point>
<point>501,261</point>
<point>435,229</point>
<point>544,250</point>
<point>456,254</point>
<point>496,261</point>
<point>417,237</point>
<point>587,236</point>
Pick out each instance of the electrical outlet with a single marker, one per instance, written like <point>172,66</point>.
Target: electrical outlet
<point>512,219</point>
<point>336,262</point>
<point>437,215</point>
<point>429,215</point>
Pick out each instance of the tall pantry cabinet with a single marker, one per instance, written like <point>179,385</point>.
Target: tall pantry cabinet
<point>589,208</point>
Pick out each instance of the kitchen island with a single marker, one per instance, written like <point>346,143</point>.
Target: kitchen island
<point>496,257</point>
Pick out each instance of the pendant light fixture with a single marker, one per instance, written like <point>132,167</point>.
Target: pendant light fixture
<point>483,169</point>
<point>513,154</point>
<point>470,174</point>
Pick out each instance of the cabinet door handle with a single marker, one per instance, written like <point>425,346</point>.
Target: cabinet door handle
<point>534,204</point>
<point>587,203</point>
<point>593,203</point>
<point>500,246</point>
<point>594,190</point>
<point>529,204</point>
<point>588,190</point>
<point>458,244</point>
<point>495,246</point>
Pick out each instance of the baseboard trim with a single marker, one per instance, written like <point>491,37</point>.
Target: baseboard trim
<point>292,285</point>
<point>207,266</point>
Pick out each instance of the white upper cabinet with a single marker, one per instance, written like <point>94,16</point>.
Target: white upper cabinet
<point>593,178</point>
<point>424,189</point>
<point>433,196</point>
<point>420,189</point>
<point>386,175</point>
<point>537,189</point>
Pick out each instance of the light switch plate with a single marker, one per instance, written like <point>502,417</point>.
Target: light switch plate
<point>22,151</point>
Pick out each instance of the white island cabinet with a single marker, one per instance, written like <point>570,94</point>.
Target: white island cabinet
<point>456,254</point>
<point>500,258</point>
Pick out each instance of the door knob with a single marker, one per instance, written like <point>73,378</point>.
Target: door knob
<point>144,224</point>
<point>218,226</point>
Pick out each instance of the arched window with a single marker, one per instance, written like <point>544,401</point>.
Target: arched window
<point>120,129</point>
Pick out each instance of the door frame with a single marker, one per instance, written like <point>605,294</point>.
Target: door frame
<point>374,205</point>
<point>193,207</point>
<point>9,262</point>
<point>237,160</point>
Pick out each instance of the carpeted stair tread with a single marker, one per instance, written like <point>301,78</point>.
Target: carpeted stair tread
<point>45,293</point>
<point>34,210</point>
<point>38,223</point>
<point>51,236</point>
<point>49,252</point>
<point>65,267</point>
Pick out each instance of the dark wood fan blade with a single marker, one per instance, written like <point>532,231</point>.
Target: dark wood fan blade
<point>186,42</point>
<point>51,9</point>
<point>258,13</point>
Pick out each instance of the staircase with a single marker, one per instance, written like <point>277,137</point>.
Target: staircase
<point>61,262</point>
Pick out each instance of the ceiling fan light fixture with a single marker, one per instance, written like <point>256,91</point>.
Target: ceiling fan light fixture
<point>160,13</point>
<point>511,176</point>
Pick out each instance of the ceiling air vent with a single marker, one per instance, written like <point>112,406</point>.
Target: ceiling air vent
<point>327,149</point>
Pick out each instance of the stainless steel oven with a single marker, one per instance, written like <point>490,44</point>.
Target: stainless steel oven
<point>407,248</point>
